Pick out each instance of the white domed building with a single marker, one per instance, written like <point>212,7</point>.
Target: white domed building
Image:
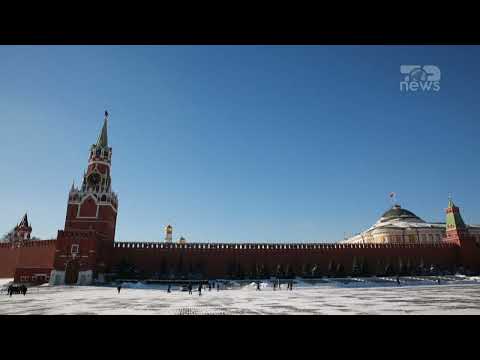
<point>399,225</point>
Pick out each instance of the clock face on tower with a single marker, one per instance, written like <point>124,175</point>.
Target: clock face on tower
<point>94,179</point>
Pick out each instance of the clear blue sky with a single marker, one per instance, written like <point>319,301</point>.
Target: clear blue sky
<point>239,143</point>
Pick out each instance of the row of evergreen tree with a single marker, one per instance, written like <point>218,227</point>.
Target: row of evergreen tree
<point>126,269</point>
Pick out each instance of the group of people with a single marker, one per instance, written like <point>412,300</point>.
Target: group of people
<point>190,288</point>
<point>398,280</point>
<point>22,289</point>
<point>200,288</point>
<point>278,284</point>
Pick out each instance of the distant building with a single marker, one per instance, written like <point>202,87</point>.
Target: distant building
<point>21,232</point>
<point>168,233</point>
<point>182,240</point>
<point>401,226</point>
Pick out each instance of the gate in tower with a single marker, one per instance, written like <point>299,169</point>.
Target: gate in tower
<point>71,272</point>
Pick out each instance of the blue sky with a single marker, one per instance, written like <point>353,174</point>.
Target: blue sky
<point>239,143</point>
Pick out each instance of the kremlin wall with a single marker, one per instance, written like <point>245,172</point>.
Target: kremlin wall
<point>85,251</point>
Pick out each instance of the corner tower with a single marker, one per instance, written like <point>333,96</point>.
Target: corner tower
<point>85,245</point>
<point>458,233</point>
<point>455,227</point>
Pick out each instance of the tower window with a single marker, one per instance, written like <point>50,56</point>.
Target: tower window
<point>74,249</point>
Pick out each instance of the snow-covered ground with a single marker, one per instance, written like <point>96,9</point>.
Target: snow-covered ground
<point>415,295</point>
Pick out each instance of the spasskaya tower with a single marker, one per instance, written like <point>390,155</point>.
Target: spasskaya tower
<point>85,245</point>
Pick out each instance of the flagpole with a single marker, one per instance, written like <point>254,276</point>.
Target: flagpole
<point>393,198</point>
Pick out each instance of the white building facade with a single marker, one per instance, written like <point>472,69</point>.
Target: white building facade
<point>401,226</point>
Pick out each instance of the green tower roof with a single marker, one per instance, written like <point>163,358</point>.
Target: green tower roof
<point>454,219</point>
<point>102,140</point>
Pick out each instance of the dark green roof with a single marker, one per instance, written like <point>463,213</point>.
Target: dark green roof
<point>396,212</point>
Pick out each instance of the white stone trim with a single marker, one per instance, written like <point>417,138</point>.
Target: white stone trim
<point>99,162</point>
<point>57,277</point>
<point>85,277</point>
<point>80,205</point>
<point>99,203</point>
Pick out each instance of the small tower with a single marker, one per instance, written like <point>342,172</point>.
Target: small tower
<point>21,232</point>
<point>182,240</point>
<point>168,233</point>
<point>455,227</point>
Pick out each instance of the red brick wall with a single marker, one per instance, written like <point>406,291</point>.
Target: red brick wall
<point>32,275</point>
<point>8,260</point>
<point>88,208</point>
<point>34,253</point>
<point>217,258</point>
<point>101,240</point>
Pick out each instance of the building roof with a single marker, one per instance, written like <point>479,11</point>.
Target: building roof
<point>400,219</point>
<point>399,224</point>
<point>396,212</point>
<point>24,221</point>
<point>397,218</point>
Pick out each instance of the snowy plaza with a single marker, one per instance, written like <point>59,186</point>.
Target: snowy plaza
<point>414,295</point>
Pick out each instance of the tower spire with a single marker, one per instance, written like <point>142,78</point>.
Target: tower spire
<point>451,205</point>
<point>24,221</point>
<point>454,219</point>
<point>102,140</point>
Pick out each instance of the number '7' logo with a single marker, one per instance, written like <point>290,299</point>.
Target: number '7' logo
<point>420,73</point>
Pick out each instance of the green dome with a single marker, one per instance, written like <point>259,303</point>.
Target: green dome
<point>396,212</point>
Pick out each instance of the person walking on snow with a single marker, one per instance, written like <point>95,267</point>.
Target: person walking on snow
<point>119,287</point>
<point>200,289</point>
<point>190,287</point>
<point>169,286</point>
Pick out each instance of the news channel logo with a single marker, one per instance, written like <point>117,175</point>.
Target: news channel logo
<point>420,78</point>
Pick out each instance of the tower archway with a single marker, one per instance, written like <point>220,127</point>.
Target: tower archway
<point>71,272</point>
